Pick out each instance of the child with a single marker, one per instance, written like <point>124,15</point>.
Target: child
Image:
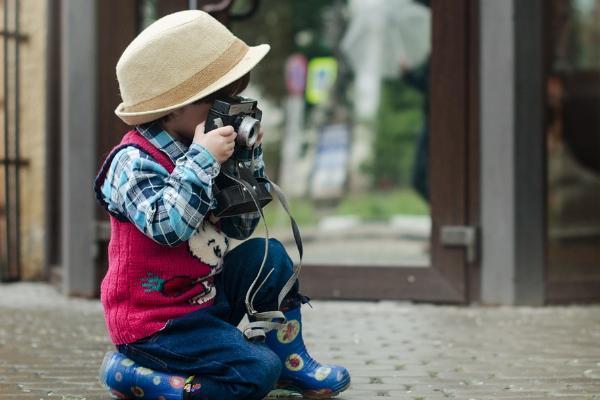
<point>173,295</point>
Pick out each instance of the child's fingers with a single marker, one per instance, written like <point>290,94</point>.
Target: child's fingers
<point>225,130</point>
<point>229,138</point>
<point>227,150</point>
<point>200,127</point>
<point>227,141</point>
<point>229,144</point>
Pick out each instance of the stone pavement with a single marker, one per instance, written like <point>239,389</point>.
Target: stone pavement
<point>51,347</point>
<point>346,240</point>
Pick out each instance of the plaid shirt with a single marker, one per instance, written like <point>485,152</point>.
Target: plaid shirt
<point>169,208</point>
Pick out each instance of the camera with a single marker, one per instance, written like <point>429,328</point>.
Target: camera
<point>236,189</point>
<point>241,113</point>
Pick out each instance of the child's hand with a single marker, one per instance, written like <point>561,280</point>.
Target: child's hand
<point>220,142</point>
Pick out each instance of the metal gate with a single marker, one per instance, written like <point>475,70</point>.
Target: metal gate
<point>10,158</point>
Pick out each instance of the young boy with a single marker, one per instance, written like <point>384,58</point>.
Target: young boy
<point>173,295</point>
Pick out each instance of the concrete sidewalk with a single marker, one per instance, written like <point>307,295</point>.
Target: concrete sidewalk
<point>51,347</point>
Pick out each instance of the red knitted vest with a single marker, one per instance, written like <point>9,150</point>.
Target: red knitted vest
<point>147,284</point>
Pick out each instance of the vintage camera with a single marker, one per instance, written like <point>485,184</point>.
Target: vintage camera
<point>236,189</point>
<point>239,112</point>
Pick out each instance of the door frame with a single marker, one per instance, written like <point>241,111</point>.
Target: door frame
<point>454,178</point>
<point>454,155</point>
<point>557,290</point>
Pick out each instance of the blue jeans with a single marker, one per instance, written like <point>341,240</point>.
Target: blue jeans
<point>206,343</point>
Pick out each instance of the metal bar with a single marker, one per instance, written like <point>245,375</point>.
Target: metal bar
<point>4,274</point>
<point>13,161</point>
<point>52,130</point>
<point>193,4</point>
<point>12,34</point>
<point>78,112</point>
<point>497,149</point>
<point>528,154</point>
<point>17,149</point>
<point>511,152</point>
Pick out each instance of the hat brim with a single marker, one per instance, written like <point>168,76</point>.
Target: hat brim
<point>249,61</point>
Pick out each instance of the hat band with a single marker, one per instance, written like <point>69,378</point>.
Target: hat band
<point>198,82</point>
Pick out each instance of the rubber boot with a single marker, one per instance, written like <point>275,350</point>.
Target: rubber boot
<point>300,372</point>
<point>126,379</point>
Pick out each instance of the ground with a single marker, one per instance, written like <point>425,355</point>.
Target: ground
<point>51,347</point>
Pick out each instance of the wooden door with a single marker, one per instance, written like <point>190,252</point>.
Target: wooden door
<point>453,153</point>
<point>453,175</point>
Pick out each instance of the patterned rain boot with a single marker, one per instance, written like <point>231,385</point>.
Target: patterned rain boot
<point>300,372</point>
<point>127,380</point>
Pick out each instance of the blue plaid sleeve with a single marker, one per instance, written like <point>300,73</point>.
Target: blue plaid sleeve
<point>168,208</point>
<point>242,226</point>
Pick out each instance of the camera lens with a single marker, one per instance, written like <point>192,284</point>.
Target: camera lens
<point>248,131</point>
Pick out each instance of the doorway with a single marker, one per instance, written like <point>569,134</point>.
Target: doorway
<point>572,79</point>
<point>404,244</point>
<point>350,146</point>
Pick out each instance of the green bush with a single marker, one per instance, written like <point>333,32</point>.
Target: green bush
<point>379,206</point>
<point>399,120</point>
<point>383,205</point>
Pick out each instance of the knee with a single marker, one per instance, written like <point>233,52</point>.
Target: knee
<point>243,263</point>
<point>257,245</point>
<point>281,262</point>
<point>277,255</point>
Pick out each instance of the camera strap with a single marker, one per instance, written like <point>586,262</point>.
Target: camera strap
<point>297,238</point>
<point>262,322</point>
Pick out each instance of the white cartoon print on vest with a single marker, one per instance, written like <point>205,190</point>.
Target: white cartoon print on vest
<point>207,294</point>
<point>209,246</point>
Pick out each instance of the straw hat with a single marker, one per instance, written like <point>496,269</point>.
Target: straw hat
<point>177,60</point>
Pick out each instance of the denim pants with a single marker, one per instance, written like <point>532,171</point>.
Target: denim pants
<point>206,343</point>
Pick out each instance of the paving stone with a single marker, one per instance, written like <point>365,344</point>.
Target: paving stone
<point>51,347</point>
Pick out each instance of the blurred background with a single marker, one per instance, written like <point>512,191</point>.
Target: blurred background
<point>441,151</point>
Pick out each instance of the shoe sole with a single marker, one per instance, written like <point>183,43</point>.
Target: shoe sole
<point>287,391</point>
